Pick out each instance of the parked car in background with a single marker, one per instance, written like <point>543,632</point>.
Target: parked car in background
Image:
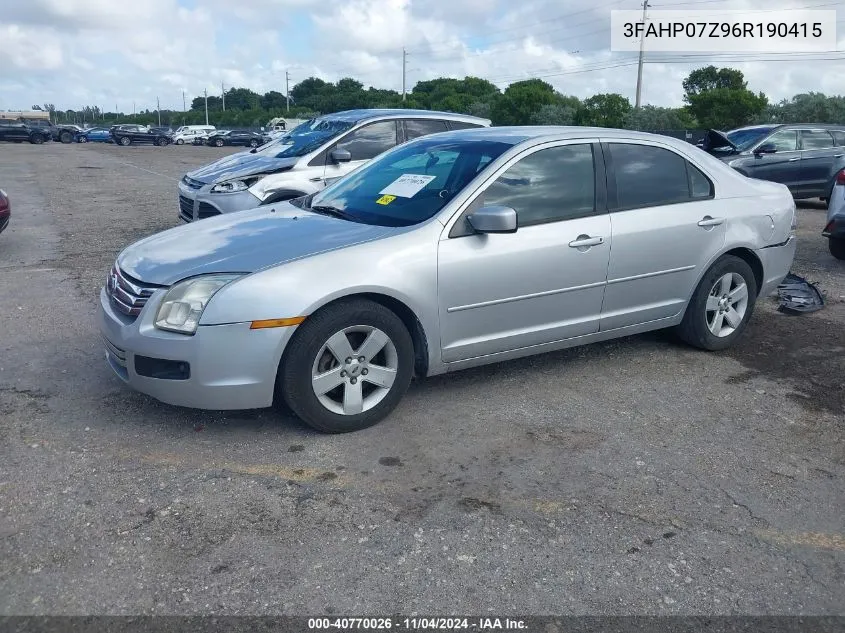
<point>93,135</point>
<point>19,130</point>
<point>472,247</point>
<point>834,228</point>
<point>66,132</point>
<point>5,210</point>
<point>306,158</point>
<point>242,138</point>
<point>128,134</point>
<point>190,133</point>
<point>803,156</point>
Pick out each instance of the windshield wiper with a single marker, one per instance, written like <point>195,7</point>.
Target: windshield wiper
<point>332,212</point>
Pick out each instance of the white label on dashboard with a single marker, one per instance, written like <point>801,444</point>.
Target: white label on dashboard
<point>407,185</point>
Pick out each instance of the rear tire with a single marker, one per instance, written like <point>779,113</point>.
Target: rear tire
<point>180,142</point>
<point>721,305</point>
<point>364,391</point>
<point>66,137</point>
<point>83,139</point>
<point>36,139</point>
<point>219,142</point>
<point>836,245</point>
<point>125,141</point>
<point>253,143</point>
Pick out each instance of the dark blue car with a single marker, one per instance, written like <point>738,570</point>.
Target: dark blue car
<point>94,135</point>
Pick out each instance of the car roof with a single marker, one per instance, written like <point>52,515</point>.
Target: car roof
<point>812,126</point>
<point>354,116</point>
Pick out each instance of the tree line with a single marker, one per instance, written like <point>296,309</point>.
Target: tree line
<point>713,98</point>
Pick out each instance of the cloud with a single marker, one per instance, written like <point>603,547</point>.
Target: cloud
<point>82,52</point>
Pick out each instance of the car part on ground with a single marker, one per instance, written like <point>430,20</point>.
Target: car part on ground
<point>5,210</point>
<point>796,295</point>
<point>803,156</point>
<point>447,252</point>
<point>304,160</point>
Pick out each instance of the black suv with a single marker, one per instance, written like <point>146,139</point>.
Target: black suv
<point>127,134</point>
<point>803,156</point>
<point>19,130</point>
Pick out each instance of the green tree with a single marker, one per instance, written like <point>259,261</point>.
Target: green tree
<point>520,101</point>
<point>649,117</point>
<point>242,99</point>
<point>604,110</point>
<point>720,98</point>
<point>272,99</point>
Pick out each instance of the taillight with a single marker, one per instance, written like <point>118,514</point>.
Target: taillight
<point>840,177</point>
<point>794,226</point>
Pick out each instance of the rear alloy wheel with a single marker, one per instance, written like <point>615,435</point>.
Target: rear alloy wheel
<point>836,245</point>
<point>347,367</point>
<point>721,306</point>
<point>124,140</point>
<point>36,139</point>
<point>219,142</point>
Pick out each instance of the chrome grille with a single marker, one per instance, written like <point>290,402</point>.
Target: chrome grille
<point>127,295</point>
<point>186,209</point>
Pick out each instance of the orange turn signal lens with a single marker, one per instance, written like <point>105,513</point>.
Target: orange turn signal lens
<point>258,325</point>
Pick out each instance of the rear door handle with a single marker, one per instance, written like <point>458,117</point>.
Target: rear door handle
<point>792,160</point>
<point>838,155</point>
<point>708,221</point>
<point>583,241</point>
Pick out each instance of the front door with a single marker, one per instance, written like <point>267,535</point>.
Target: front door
<point>666,226</point>
<point>781,166</point>
<point>543,283</point>
<point>363,144</point>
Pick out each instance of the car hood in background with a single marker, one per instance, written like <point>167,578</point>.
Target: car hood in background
<point>715,142</point>
<point>246,241</point>
<point>240,165</point>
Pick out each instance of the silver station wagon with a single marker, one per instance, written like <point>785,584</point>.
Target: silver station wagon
<point>450,251</point>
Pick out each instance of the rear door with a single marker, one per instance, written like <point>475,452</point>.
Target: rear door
<point>665,226</point>
<point>818,157</point>
<point>782,165</point>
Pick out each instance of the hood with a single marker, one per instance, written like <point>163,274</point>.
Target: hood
<point>716,140</point>
<point>240,165</point>
<point>245,241</point>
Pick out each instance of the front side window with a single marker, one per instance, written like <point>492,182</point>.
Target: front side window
<point>370,141</point>
<point>409,184</point>
<point>784,140</point>
<point>652,176</point>
<point>414,128</point>
<point>816,139</point>
<point>549,185</point>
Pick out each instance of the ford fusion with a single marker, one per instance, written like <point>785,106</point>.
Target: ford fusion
<point>450,251</point>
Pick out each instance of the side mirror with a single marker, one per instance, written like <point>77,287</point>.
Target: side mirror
<point>766,148</point>
<point>493,220</point>
<point>341,155</point>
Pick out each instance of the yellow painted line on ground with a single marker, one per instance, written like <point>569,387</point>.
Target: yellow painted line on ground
<point>820,540</point>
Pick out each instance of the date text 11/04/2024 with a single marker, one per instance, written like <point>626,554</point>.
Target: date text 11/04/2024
<point>418,624</point>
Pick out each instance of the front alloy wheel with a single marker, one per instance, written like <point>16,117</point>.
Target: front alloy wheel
<point>219,142</point>
<point>347,366</point>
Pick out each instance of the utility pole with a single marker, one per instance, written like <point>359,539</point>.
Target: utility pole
<point>404,64</point>
<point>205,92</point>
<point>287,91</point>
<point>184,108</point>
<point>133,110</point>
<point>223,90</point>
<point>640,64</point>
<point>158,108</point>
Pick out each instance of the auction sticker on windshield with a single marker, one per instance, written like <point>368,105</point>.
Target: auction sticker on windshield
<point>385,199</point>
<point>407,185</point>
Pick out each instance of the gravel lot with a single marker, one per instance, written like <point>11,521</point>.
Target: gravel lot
<point>638,476</point>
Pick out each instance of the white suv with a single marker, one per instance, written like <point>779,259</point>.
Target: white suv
<point>307,158</point>
<point>187,133</point>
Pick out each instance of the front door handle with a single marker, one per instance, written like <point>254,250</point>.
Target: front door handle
<point>585,241</point>
<point>707,221</point>
<point>838,155</point>
<point>792,160</point>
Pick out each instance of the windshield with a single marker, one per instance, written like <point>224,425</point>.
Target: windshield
<point>309,136</point>
<point>409,184</point>
<point>747,137</point>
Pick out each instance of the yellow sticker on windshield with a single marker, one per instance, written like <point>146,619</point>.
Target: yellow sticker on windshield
<point>386,199</point>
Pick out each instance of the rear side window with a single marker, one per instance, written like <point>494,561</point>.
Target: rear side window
<point>648,176</point>
<point>816,139</point>
<point>414,128</point>
<point>462,125</point>
<point>838,136</point>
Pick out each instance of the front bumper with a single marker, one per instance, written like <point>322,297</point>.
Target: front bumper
<point>198,204</point>
<point>777,261</point>
<point>231,366</point>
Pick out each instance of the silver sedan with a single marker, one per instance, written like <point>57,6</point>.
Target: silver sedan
<point>451,251</point>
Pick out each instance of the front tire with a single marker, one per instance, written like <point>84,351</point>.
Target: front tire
<point>347,367</point>
<point>36,139</point>
<point>836,245</point>
<point>180,142</point>
<point>721,306</point>
<point>219,142</point>
<point>66,137</point>
<point>83,139</point>
<point>253,143</point>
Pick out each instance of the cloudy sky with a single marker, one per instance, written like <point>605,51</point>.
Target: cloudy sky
<point>117,52</point>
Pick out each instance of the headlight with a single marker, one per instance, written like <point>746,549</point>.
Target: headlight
<point>182,307</point>
<point>232,186</point>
